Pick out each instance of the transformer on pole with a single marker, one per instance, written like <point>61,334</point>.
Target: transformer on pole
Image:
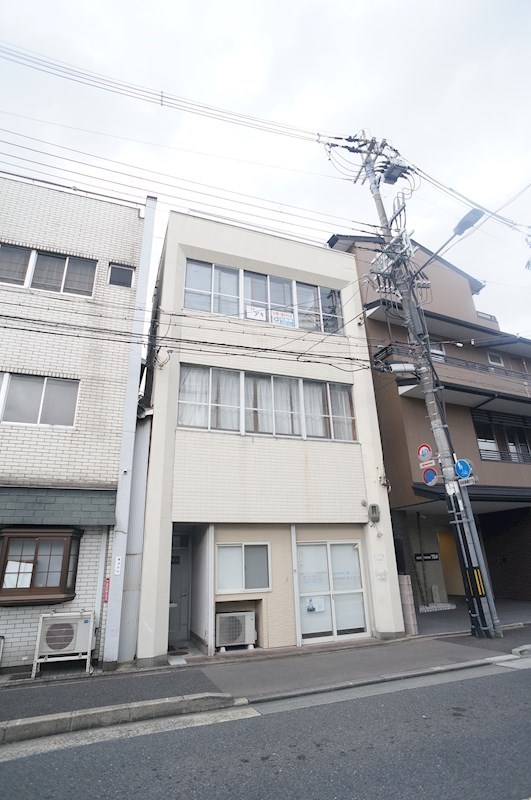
<point>394,269</point>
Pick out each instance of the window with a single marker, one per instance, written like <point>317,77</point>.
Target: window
<point>518,445</point>
<point>59,274</point>
<point>13,264</point>
<point>437,351</point>
<point>34,400</point>
<point>265,298</point>
<point>211,398</point>
<point>38,565</point>
<point>243,567</point>
<point>503,437</point>
<point>48,271</point>
<point>495,360</point>
<point>120,276</point>
<point>225,400</point>
<point>211,288</point>
<point>488,447</point>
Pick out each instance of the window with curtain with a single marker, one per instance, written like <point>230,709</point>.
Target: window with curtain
<point>225,400</point>
<point>316,410</point>
<point>211,398</point>
<point>194,396</point>
<point>287,406</point>
<point>342,412</point>
<point>258,403</point>
<point>37,400</point>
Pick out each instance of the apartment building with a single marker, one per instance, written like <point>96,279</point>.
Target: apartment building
<point>485,374</point>
<point>267,521</point>
<point>73,278</point>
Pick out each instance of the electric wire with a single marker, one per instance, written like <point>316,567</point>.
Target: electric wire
<point>247,197</point>
<point>41,63</point>
<point>202,153</point>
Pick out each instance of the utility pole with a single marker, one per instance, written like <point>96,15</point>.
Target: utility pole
<point>395,267</point>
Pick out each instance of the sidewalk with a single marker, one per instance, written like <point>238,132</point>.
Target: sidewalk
<point>48,705</point>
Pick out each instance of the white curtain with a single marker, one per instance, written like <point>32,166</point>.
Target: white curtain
<point>342,411</point>
<point>193,396</point>
<point>287,406</point>
<point>225,402</point>
<point>258,404</point>
<point>316,410</point>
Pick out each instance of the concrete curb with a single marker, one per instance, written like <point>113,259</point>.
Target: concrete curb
<point>523,650</point>
<point>17,730</point>
<point>418,673</point>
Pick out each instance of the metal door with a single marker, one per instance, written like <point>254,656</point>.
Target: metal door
<point>179,596</point>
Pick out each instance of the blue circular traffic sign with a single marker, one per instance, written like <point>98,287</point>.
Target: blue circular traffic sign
<point>463,468</point>
<point>430,477</point>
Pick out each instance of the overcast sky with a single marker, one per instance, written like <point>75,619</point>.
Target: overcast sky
<point>445,81</point>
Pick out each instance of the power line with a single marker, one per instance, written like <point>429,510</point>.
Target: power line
<point>39,62</point>
<point>166,175</point>
<point>172,147</point>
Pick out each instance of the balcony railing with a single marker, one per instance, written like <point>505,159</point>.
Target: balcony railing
<point>394,351</point>
<point>505,455</point>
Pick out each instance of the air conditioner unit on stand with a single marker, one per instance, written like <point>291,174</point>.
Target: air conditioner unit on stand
<point>236,628</point>
<point>64,636</point>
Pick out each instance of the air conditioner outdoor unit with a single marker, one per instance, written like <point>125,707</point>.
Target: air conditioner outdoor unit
<point>235,629</point>
<point>64,636</point>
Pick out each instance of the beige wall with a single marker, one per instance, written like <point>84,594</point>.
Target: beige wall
<point>450,291</point>
<point>212,477</point>
<point>275,609</point>
<point>222,476</point>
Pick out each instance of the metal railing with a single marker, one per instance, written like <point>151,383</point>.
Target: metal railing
<point>505,456</point>
<point>403,351</point>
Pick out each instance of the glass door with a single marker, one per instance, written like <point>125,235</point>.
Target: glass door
<point>331,601</point>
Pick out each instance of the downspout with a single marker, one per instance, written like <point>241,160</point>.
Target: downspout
<point>123,493</point>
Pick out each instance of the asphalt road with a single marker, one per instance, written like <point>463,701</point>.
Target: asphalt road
<point>448,740</point>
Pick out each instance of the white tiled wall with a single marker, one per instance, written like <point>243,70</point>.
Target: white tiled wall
<point>18,624</point>
<point>83,338</point>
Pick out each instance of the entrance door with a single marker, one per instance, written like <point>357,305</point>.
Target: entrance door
<point>331,599</point>
<point>179,596</point>
<point>453,579</point>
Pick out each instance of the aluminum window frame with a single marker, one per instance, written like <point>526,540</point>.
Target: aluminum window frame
<point>241,429</point>
<point>243,545</point>
<point>268,306</point>
<point>31,265</point>
<point>5,381</point>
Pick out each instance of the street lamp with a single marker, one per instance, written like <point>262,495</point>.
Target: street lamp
<point>468,221</point>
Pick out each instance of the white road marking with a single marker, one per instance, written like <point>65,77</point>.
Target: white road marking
<point>520,663</point>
